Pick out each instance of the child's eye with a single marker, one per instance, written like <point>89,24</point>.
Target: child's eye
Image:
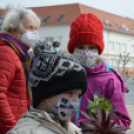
<point>91,47</point>
<point>70,93</point>
<point>80,47</point>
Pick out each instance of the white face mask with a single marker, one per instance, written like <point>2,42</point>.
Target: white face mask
<point>86,57</point>
<point>30,38</point>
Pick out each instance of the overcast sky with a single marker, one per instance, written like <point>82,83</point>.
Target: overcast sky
<point>121,7</point>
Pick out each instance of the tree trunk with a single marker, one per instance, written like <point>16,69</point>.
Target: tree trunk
<point>123,71</point>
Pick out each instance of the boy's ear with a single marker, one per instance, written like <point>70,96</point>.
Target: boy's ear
<point>13,30</point>
<point>45,99</point>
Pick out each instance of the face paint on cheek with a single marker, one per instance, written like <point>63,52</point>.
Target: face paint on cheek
<point>64,109</point>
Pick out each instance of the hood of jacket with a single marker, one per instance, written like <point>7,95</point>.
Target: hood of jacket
<point>103,69</point>
<point>39,122</point>
<point>100,68</point>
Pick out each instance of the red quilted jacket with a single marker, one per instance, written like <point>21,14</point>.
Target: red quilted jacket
<point>13,92</point>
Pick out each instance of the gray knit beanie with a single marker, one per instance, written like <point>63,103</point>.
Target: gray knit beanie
<point>53,74</point>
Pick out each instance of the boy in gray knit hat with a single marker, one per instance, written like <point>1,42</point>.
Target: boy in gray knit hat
<point>56,82</point>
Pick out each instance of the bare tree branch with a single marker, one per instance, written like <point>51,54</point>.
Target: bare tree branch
<point>125,59</point>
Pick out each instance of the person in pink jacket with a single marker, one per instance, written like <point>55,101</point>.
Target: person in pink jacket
<point>86,44</point>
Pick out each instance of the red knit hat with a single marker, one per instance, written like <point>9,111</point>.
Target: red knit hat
<point>86,29</point>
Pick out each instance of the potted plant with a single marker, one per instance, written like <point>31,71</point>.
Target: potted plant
<point>99,101</point>
<point>100,118</point>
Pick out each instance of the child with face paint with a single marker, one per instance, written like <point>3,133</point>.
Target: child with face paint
<point>86,44</point>
<point>56,82</point>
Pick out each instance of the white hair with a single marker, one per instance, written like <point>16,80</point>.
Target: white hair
<point>15,17</point>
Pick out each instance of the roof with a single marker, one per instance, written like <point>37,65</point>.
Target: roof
<point>56,11</point>
<point>65,14</point>
<point>111,21</point>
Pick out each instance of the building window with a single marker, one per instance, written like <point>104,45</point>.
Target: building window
<point>124,27</point>
<point>117,25</point>
<point>118,46</point>
<point>61,17</point>
<point>131,48</point>
<point>107,23</point>
<point>132,28</point>
<point>124,47</point>
<point>50,39</point>
<point>111,45</point>
<point>130,63</point>
<point>130,70</point>
<point>47,17</point>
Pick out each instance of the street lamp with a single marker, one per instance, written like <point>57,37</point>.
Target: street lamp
<point>1,19</point>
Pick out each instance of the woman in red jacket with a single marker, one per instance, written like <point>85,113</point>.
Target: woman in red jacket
<point>19,32</point>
